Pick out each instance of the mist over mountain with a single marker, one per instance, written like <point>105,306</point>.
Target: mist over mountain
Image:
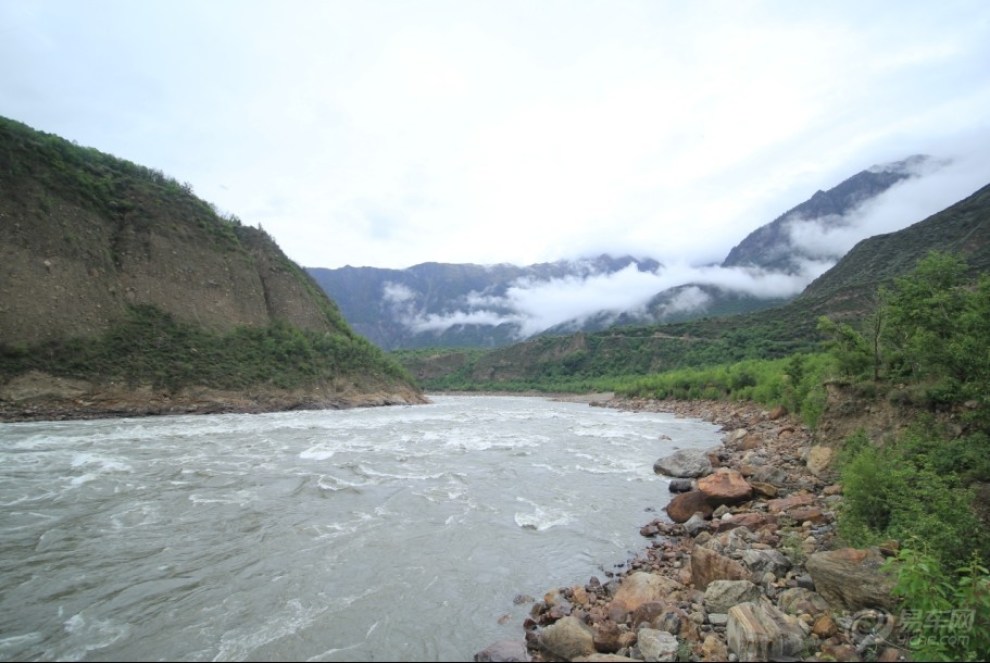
<point>465,305</point>
<point>803,233</point>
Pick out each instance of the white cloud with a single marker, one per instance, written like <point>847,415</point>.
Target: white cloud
<point>397,293</point>
<point>399,133</point>
<point>909,201</point>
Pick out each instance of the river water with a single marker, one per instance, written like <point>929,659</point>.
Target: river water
<point>398,533</point>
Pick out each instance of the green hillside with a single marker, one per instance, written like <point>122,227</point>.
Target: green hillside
<point>118,277</point>
<point>847,292</point>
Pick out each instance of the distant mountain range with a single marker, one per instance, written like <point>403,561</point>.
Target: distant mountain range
<point>450,305</point>
<point>485,306</point>
<point>846,292</point>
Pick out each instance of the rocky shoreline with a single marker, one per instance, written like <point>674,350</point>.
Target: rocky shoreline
<point>745,566</point>
<point>37,396</point>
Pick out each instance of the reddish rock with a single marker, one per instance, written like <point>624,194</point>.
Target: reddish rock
<point>825,627</point>
<point>681,507</point>
<point>777,413</point>
<point>606,637</point>
<point>713,649</point>
<point>787,503</point>
<point>807,513</point>
<point>708,565</point>
<point>752,520</point>
<point>642,587</point>
<point>725,487</point>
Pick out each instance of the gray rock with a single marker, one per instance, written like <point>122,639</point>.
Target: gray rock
<point>760,632</point>
<point>696,524</point>
<point>851,579</point>
<point>718,618</point>
<point>656,645</point>
<point>567,638</point>
<point>684,463</point>
<point>720,595</point>
<point>680,485</point>
<point>503,651</point>
<point>762,561</point>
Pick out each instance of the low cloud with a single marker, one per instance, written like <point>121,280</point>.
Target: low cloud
<point>688,300</point>
<point>937,185</point>
<point>533,305</point>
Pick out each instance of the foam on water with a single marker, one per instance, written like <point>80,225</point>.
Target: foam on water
<point>381,533</point>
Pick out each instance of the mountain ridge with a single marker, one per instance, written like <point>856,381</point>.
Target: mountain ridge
<point>468,305</point>
<point>846,292</point>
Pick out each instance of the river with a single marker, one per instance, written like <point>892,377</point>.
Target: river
<point>397,533</point>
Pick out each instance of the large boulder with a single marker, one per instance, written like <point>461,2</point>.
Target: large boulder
<point>567,638</point>
<point>656,645</point>
<point>798,600</point>
<point>761,632</point>
<point>763,561</point>
<point>684,505</point>
<point>725,487</point>
<point>819,460</point>
<point>642,587</point>
<point>684,463</point>
<point>708,565</point>
<point>852,579</point>
<point>720,595</point>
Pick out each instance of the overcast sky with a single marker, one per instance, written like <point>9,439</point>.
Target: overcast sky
<point>389,134</point>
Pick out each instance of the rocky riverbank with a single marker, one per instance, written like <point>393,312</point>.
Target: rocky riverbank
<point>745,565</point>
<point>36,396</point>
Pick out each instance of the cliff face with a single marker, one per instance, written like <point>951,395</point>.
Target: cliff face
<point>85,238</point>
<point>70,265</point>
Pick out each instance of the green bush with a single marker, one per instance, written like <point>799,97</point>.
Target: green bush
<point>901,490</point>
<point>946,616</point>
<point>149,346</point>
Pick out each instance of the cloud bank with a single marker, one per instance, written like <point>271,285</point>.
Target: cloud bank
<point>533,305</point>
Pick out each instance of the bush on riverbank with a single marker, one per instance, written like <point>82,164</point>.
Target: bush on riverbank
<point>796,383</point>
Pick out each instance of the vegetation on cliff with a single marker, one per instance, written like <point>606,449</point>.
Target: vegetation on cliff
<point>116,274</point>
<point>150,347</point>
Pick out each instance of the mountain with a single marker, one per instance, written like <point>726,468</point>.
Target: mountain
<point>450,305</point>
<point>118,285</point>
<point>476,306</point>
<point>847,292</point>
<point>962,229</point>
<point>772,246</point>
